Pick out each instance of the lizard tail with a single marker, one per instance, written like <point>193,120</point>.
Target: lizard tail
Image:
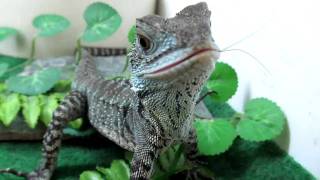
<point>14,172</point>
<point>103,51</point>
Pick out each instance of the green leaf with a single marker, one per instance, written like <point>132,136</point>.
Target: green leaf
<point>263,120</point>
<point>90,175</point>
<point>119,170</point>
<point>37,83</point>
<point>6,32</point>
<point>50,24</point>
<point>49,105</point>
<point>132,34</point>
<point>76,124</point>
<point>102,21</point>
<point>10,63</point>
<point>9,108</point>
<point>31,110</point>
<point>3,87</point>
<point>214,137</point>
<point>3,68</point>
<point>59,96</point>
<point>223,81</point>
<point>170,162</point>
<point>62,86</point>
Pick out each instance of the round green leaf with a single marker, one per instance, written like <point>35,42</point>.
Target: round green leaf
<point>119,170</point>
<point>50,24</point>
<point>214,137</point>
<point>102,21</point>
<point>6,32</point>
<point>9,108</point>
<point>263,120</point>
<point>37,83</point>
<point>223,81</point>
<point>132,34</point>
<point>90,175</point>
<point>31,110</point>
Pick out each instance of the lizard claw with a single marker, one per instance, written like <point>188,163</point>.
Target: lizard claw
<point>198,161</point>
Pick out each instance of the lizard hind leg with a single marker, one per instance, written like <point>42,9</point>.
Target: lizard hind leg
<point>73,106</point>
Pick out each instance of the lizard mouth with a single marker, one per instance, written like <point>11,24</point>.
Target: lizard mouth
<point>186,61</point>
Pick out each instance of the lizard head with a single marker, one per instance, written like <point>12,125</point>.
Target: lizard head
<point>173,49</point>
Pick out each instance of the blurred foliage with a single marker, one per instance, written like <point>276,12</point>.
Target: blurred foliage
<point>50,24</point>
<point>102,21</point>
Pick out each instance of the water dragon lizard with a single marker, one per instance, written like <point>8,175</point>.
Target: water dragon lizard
<point>170,62</point>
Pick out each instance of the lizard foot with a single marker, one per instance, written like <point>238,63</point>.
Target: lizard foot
<point>42,174</point>
<point>196,175</point>
<point>34,175</point>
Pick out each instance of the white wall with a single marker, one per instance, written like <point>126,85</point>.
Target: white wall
<point>286,41</point>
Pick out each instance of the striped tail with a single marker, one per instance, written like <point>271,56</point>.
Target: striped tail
<point>14,172</point>
<point>103,51</point>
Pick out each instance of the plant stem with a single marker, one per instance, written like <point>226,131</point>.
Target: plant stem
<point>205,95</point>
<point>79,52</point>
<point>126,65</point>
<point>235,119</point>
<point>33,49</point>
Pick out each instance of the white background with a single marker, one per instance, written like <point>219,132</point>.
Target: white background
<point>285,36</point>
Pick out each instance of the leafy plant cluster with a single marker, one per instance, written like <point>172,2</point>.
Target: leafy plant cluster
<point>102,21</point>
<point>29,93</point>
<point>34,109</point>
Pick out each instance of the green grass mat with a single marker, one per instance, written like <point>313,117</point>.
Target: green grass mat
<point>76,156</point>
<point>244,160</point>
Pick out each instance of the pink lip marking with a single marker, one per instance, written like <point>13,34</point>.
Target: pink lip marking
<point>183,60</point>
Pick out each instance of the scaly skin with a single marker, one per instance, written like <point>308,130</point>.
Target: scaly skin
<point>170,61</point>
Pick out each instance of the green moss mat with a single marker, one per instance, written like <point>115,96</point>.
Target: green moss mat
<point>244,160</point>
<point>76,156</point>
<point>254,161</point>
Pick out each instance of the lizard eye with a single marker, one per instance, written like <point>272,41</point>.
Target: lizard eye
<point>144,42</point>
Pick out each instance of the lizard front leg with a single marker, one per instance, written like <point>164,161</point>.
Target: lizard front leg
<point>192,154</point>
<point>146,151</point>
<point>191,146</point>
<point>73,106</point>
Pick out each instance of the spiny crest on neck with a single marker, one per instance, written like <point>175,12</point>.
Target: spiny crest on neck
<point>193,15</point>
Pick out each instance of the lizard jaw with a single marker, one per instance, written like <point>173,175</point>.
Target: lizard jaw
<point>205,54</point>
